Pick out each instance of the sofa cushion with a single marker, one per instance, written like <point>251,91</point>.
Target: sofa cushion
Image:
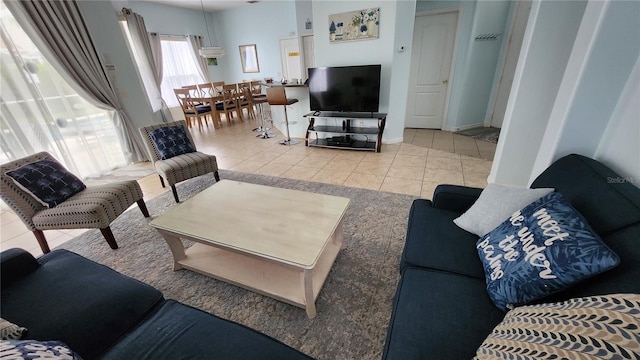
<point>178,331</point>
<point>608,201</point>
<point>434,241</point>
<point>34,349</point>
<point>540,250</point>
<point>621,279</point>
<point>495,204</point>
<point>89,313</point>
<point>15,264</point>
<point>171,141</point>
<point>595,327</point>
<point>439,315</point>
<point>47,181</point>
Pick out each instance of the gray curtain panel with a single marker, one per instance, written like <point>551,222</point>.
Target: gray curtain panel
<point>156,54</point>
<point>60,33</point>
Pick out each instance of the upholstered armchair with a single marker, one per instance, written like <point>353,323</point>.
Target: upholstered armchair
<point>174,154</point>
<point>47,197</point>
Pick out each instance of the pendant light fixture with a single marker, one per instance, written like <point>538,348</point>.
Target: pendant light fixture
<point>209,51</point>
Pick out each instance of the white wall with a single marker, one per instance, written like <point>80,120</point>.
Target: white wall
<point>102,20</point>
<point>263,24</point>
<point>603,56</point>
<point>365,52</point>
<point>546,48</point>
<point>595,108</point>
<point>620,145</point>
<point>304,11</point>
<point>476,62</point>
<point>401,65</point>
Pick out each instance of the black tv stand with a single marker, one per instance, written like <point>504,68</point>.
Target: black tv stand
<point>354,130</point>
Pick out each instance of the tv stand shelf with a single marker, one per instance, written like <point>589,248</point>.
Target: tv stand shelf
<point>367,135</point>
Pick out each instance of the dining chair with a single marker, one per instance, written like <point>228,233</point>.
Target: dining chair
<point>208,95</point>
<point>205,90</point>
<point>256,89</point>
<point>174,154</point>
<point>244,101</point>
<point>193,90</point>
<point>193,109</point>
<point>218,87</point>
<point>230,101</point>
<point>46,196</point>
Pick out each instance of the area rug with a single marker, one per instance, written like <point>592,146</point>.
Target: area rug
<point>482,133</point>
<point>353,307</point>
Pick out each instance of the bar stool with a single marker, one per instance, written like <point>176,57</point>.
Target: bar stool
<point>257,101</point>
<point>277,96</point>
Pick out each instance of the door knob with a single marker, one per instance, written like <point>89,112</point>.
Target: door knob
<point>445,81</point>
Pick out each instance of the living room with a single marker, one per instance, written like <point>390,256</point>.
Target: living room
<point>540,80</point>
<point>555,109</point>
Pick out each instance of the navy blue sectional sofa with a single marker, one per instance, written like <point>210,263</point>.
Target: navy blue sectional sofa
<point>441,308</point>
<point>102,314</point>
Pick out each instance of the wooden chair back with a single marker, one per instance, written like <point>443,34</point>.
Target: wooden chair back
<point>206,90</point>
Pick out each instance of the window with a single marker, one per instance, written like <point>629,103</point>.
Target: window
<point>41,112</point>
<point>179,67</point>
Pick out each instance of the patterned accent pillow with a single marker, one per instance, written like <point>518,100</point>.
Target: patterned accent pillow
<point>33,349</point>
<point>47,181</point>
<point>10,331</point>
<point>597,327</point>
<point>171,141</point>
<point>539,250</point>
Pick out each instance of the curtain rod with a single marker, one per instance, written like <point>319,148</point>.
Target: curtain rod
<point>173,35</point>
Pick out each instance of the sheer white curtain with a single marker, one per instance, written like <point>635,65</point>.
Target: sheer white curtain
<point>59,31</point>
<point>179,67</point>
<point>196,45</point>
<point>42,112</point>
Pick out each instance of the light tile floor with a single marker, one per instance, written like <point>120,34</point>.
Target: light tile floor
<point>415,167</point>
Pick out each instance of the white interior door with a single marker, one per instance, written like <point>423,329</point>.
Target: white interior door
<point>309,54</point>
<point>290,55</point>
<point>433,40</point>
<point>509,68</point>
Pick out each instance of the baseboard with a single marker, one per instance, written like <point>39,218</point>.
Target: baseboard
<point>392,141</point>
<point>465,127</point>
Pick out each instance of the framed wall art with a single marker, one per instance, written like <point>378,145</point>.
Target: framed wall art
<point>354,25</point>
<point>249,58</point>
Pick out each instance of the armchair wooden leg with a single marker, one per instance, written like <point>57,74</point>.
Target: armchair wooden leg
<point>108,235</point>
<point>42,241</point>
<point>216,176</point>
<point>175,193</point>
<point>143,207</point>
<point>161,181</point>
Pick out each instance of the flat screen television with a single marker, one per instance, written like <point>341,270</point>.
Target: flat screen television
<point>345,88</point>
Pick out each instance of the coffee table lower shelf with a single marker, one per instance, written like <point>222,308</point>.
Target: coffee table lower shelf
<point>294,285</point>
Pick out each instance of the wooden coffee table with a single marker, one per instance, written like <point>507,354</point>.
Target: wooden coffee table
<point>277,242</point>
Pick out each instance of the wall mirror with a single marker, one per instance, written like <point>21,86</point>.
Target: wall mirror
<point>249,58</point>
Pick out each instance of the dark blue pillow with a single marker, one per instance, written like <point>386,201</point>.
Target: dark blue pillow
<point>539,250</point>
<point>47,180</point>
<point>171,141</point>
<point>33,349</point>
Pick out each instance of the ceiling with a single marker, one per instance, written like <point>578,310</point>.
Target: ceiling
<point>209,5</point>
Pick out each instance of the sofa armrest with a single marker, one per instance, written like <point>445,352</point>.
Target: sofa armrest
<point>14,264</point>
<point>454,197</point>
